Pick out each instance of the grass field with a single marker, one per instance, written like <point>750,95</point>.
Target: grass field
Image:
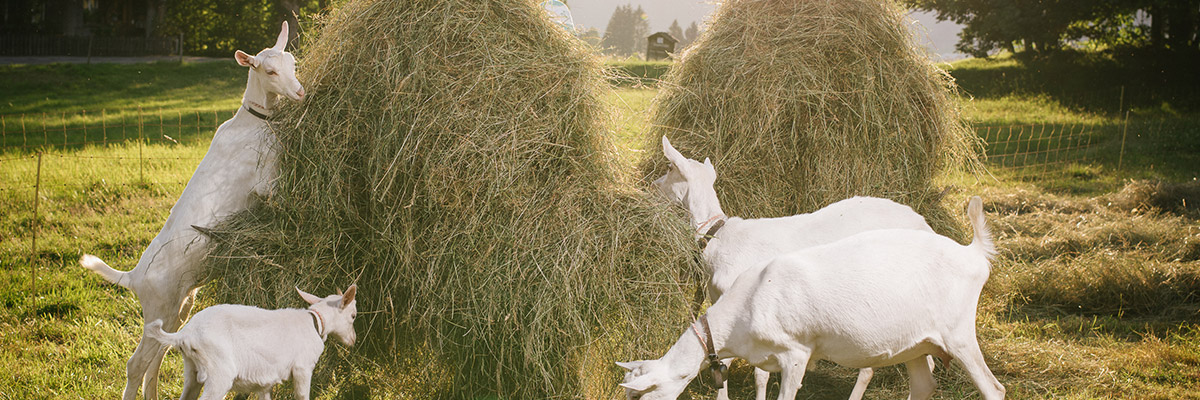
<point>1095,294</point>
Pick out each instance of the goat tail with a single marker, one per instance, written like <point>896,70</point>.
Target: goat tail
<point>95,264</point>
<point>154,331</point>
<point>983,236</point>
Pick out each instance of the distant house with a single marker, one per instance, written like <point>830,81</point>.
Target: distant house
<point>659,45</point>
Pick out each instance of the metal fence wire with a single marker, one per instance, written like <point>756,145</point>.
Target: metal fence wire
<point>1032,151</point>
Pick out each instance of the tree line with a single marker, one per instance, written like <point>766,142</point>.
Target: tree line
<point>1048,25</point>
<point>628,28</point>
<point>208,27</point>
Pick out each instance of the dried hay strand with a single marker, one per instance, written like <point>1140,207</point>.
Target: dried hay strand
<point>450,158</point>
<point>801,103</point>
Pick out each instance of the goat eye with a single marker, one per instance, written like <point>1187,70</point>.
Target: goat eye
<point>272,73</point>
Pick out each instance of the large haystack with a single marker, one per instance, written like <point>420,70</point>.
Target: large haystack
<point>451,158</point>
<point>801,103</point>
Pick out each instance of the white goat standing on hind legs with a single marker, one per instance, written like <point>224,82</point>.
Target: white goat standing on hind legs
<point>875,299</point>
<point>733,245</point>
<point>249,349</point>
<point>240,164</point>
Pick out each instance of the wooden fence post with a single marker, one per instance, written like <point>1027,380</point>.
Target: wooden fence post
<point>33,226</point>
<point>1124,132</point>
<point>141,164</point>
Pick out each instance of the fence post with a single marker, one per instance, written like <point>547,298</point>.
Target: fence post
<point>1124,132</point>
<point>141,144</point>
<point>37,187</point>
<point>1121,104</point>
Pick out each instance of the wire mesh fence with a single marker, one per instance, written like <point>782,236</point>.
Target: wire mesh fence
<point>25,133</point>
<point>1034,151</point>
<point>50,160</point>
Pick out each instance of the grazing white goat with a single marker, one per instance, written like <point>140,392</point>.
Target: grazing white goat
<point>239,164</point>
<point>249,349</point>
<point>874,299</point>
<point>738,245</point>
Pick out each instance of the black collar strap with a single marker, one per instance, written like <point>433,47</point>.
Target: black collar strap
<point>719,370</point>
<point>255,113</point>
<point>712,232</point>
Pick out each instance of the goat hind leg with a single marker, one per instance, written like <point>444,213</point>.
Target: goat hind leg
<point>967,352</point>
<point>191,387</point>
<point>147,352</point>
<point>860,385</point>
<point>920,379</point>
<point>761,378</point>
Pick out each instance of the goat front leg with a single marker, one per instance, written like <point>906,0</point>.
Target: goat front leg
<point>793,363</point>
<point>860,385</point>
<point>301,379</point>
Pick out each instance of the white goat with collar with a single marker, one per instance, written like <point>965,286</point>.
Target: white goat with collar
<point>742,245</point>
<point>250,350</point>
<point>240,163</point>
<point>871,300</point>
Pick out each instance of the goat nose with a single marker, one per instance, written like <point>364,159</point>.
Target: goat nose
<point>300,93</point>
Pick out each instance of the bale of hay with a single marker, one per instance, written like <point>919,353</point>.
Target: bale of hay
<point>801,103</point>
<point>451,158</point>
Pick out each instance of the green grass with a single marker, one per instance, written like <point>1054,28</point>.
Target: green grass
<point>637,73</point>
<point>1093,295</point>
<point>69,104</point>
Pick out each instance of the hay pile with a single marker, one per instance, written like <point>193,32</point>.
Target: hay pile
<point>801,103</point>
<point>451,159</point>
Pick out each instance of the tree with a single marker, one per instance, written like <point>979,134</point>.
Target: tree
<point>676,31</point>
<point>690,35</point>
<point>1045,25</point>
<point>218,27</point>
<point>626,32</point>
<point>641,30</point>
<point>1038,25</point>
<point>591,36</point>
<point>618,32</point>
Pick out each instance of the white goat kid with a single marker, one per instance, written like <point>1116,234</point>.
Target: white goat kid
<point>239,164</point>
<point>741,245</point>
<point>250,350</point>
<point>874,299</point>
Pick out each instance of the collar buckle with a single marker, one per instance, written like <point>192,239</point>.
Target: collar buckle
<point>719,370</point>
<point>255,113</point>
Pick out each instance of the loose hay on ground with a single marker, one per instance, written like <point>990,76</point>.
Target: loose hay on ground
<point>801,103</point>
<point>452,159</point>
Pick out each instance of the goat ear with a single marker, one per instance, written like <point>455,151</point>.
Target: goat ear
<point>349,296</point>
<point>708,163</point>
<point>630,365</point>
<point>281,41</point>
<point>641,384</point>
<point>674,156</point>
<point>308,297</point>
<point>244,59</point>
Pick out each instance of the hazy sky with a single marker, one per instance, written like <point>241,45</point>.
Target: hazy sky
<point>595,13</point>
